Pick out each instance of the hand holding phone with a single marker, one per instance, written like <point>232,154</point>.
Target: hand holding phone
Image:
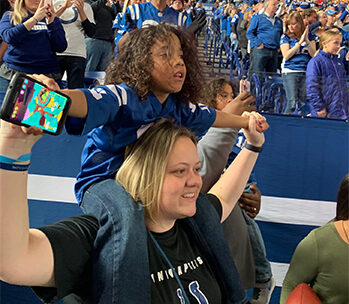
<point>244,86</point>
<point>30,103</point>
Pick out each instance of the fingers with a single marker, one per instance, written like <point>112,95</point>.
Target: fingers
<point>32,131</point>
<point>48,82</point>
<point>42,3</point>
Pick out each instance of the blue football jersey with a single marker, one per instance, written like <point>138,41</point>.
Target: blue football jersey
<point>116,118</point>
<point>299,61</point>
<point>144,14</point>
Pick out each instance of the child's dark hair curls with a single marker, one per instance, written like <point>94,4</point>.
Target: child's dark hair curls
<point>134,63</point>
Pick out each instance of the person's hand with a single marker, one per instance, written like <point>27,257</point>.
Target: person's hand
<point>251,202</point>
<point>79,4</point>
<point>67,4</point>
<point>340,49</point>
<point>253,134</point>
<point>50,13</point>
<point>323,21</point>
<point>18,140</point>
<point>261,46</point>
<point>304,36</point>
<point>347,56</point>
<point>234,36</point>
<point>198,22</point>
<point>47,81</point>
<point>322,113</point>
<point>41,11</point>
<point>244,102</point>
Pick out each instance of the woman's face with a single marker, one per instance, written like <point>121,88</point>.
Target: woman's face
<point>182,183</point>
<point>31,5</point>
<point>294,26</point>
<point>225,96</point>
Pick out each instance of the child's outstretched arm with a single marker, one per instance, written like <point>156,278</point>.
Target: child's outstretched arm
<point>78,106</point>
<point>227,120</point>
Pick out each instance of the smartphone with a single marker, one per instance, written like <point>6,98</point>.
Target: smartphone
<point>29,103</point>
<point>244,86</point>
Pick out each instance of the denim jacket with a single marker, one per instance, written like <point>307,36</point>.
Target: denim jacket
<point>121,267</point>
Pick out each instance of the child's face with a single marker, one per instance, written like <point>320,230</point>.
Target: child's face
<point>169,70</point>
<point>332,46</point>
<point>225,96</point>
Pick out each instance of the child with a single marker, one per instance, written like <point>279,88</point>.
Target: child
<point>159,76</point>
<point>326,79</point>
<point>220,92</point>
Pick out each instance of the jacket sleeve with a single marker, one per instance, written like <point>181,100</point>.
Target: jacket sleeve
<point>89,25</point>
<point>313,86</point>
<point>57,36</point>
<point>252,32</point>
<point>12,34</point>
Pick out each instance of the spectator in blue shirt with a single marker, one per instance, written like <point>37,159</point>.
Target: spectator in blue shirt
<point>297,49</point>
<point>264,34</point>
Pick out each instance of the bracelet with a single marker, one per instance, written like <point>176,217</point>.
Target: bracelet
<point>14,167</point>
<point>7,160</point>
<point>36,20</point>
<point>253,148</point>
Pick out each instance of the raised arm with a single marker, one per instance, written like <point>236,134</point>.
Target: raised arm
<point>26,256</point>
<point>232,183</point>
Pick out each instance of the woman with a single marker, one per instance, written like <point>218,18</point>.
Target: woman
<point>321,259</point>
<point>297,50</point>
<point>161,176</point>
<point>33,35</point>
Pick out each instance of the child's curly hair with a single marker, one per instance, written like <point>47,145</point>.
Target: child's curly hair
<point>213,88</point>
<point>134,63</point>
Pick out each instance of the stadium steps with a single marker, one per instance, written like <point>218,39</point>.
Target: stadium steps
<point>208,72</point>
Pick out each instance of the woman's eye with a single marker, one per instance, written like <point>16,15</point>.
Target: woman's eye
<point>164,56</point>
<point>180,171</point>
<point>198,169</point>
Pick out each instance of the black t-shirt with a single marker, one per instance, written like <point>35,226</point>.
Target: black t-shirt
<point>191,266</point>
<point>72,243</point>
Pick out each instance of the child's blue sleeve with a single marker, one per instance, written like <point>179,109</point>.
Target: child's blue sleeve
<point>198,118</point>
<point>103,104</point>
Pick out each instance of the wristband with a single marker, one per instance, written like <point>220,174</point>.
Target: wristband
<point>8,160</point>
<point>253,148</point>
<point>14,167</point>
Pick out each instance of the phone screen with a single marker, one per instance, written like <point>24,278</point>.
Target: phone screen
<point>37,106</point>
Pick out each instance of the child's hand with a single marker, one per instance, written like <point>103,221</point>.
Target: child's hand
<point>252,134</point>
<point>251,202</point>
<point>244,102</point>
<point>48,82</point>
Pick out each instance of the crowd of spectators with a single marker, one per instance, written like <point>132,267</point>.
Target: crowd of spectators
<point>282,37</point>
<point>74,36</point>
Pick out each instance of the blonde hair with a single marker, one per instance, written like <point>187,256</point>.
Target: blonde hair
<point>328,35</point>
<point>143,171</point>
<point>19,12</point>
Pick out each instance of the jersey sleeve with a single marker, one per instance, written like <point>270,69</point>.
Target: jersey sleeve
<point>284,39</point>
<point>103,104</point>
<point>198,118</point>
<point>72,244</point>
